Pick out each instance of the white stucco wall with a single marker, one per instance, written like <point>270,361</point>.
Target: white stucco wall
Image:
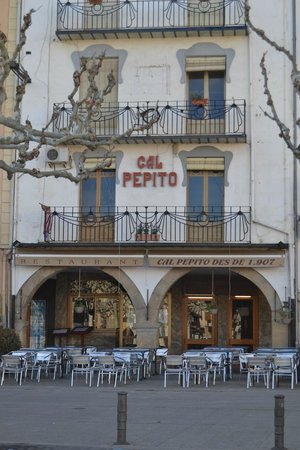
<point>260,171</point>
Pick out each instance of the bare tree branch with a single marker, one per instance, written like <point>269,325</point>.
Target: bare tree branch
<point>295,77</point>
<point>284,130</point>
<point>27,141</point>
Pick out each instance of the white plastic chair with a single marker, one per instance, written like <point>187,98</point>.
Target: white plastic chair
<point>12,364</point>
<point>105,366</point>
<point>197,367</point>
<point>82,365</point>
<point>131,363</point>
<point>218,364</point>
<point>283,367</point>
<point>174,365</point>
<point>243,360</point>
<point>69,353</point>
<point>258,366</point>
<point>160,357</point>
<point>45,361</point>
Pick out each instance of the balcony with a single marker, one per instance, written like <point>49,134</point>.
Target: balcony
<point>136,225</point>
<point>77,20</point>
<point>175,122</point>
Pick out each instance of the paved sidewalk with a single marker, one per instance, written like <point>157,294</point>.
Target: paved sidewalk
<point>227,416</point>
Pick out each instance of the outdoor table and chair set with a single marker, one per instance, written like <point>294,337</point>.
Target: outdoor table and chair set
<point>118,364</point>
<point>266,364</point>
<point>122,365</point>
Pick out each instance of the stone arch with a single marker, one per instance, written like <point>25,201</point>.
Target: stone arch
<point>175,274</point>
<point>32,284</point>
<point>265,287</point>
<point>162,288</point>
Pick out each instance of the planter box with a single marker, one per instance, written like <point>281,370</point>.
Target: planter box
<point>154,237</point>
<point>148,237</point>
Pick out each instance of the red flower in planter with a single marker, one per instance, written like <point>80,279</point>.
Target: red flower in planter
<point>200,101</point>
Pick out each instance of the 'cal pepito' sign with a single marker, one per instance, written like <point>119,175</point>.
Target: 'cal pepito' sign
<point>151,174</point>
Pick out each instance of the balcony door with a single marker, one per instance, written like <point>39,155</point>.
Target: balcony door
<point>98,207</point>
<point>105,117</point>
<point>206,95</point>
<point>205,198</point>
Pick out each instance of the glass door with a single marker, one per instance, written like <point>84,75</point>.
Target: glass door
<point>199,323</point>
<point>243,321</point>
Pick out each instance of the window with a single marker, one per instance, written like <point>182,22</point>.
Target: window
<point>205,198</point>
<point>106,308</point>
<point>199,324</point>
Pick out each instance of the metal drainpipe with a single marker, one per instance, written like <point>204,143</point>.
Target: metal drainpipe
<point>10,307</point>
<point>295,183</point>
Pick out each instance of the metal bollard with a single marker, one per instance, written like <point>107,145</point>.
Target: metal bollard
<point>122,419</point>
<point>279,423</point>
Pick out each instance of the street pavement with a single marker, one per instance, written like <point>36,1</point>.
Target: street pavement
<point>227,416</point>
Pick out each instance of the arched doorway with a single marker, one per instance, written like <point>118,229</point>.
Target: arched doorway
<point>98,302</point>
<point>215,307</point>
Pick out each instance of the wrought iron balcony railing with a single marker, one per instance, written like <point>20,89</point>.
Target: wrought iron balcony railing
<point>149,18</point>
<point>175,224</point>
<point>177,121</point>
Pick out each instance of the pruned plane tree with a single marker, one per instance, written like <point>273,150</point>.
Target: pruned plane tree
<point>26,142</point>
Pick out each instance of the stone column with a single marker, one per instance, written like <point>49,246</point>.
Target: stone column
<point>61,304</point>
<point>280,333</point>
<point>147,334</point>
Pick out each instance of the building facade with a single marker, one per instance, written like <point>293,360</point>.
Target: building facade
<point>187,238</point>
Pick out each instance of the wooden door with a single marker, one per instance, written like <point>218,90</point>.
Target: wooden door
<point>98,203</point>
<point>205,192</point>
